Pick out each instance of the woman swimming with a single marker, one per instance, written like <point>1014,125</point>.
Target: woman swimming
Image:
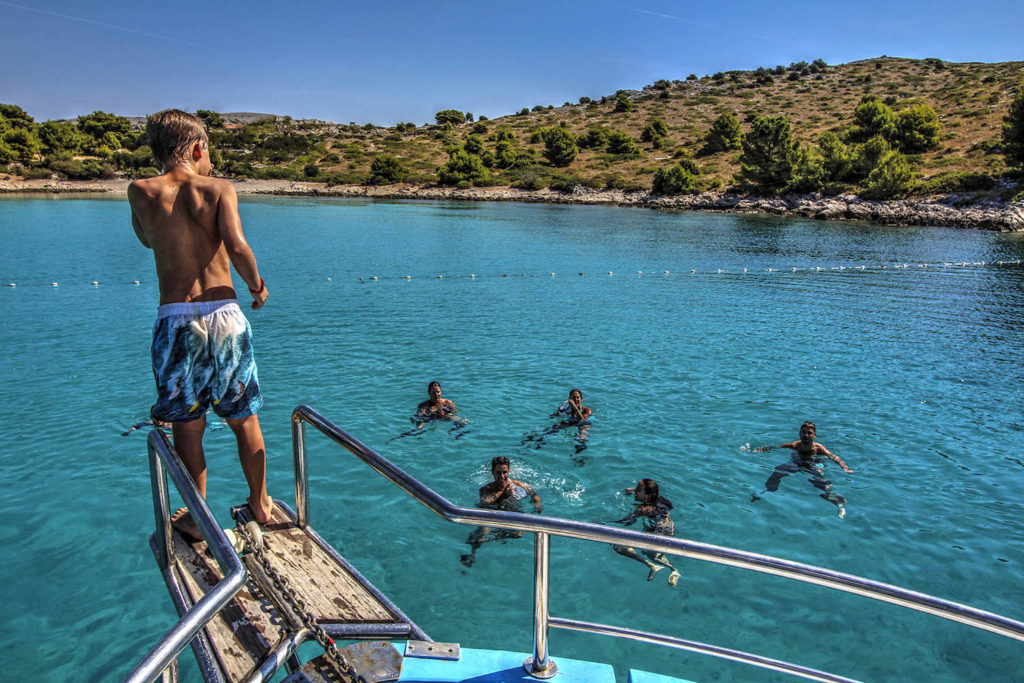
<point>573,414</point>
<point>655,510</point>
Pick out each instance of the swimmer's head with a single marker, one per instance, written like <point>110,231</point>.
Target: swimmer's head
<point>808,431</point>
<point>646,491</point>
<point>500,468</point>
<point>576,394</point>
<point>434,389</point>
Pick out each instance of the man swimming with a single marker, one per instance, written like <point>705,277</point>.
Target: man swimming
<point>504,493</point>
<point>655,510</point>
<point>435,408</point>
<point>806,458</point>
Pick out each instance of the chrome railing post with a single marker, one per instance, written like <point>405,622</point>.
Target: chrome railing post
<point>301,477</point>
<point>161,509</point>
<point>540,665</point>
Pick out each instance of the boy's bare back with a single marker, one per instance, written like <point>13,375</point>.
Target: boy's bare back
<point>190,221</point>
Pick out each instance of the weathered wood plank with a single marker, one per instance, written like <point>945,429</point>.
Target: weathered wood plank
<point>330,592</point>
<point>247,629</point>
<point>250,626</point>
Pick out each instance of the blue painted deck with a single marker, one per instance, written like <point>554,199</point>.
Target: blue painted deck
<point>636,676</point>
<point>498,666</point>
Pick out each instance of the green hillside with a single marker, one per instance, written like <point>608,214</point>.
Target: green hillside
<point>931,127</point>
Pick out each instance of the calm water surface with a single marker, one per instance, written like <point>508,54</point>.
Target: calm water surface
<point>912,375</point>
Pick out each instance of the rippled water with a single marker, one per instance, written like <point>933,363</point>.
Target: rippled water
<point>912,375</point>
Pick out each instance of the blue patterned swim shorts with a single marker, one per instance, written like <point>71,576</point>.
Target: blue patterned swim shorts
<point>202,355</point>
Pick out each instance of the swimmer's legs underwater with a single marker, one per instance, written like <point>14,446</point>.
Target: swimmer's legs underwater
<point>653,560</point>
<point>482,535</point>
<point>819,481</point>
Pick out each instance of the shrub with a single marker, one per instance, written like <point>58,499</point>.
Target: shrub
<point>725,134</point>
<point>211,118</point>
<point>559,146</point>
<point>837,161</point>
<point>61,136</point>
<point>623,103</point>
<point>83,170</point>
<point>462,166</point>
<point>311,170</point>
<point>766,164</point>
<point>655,128</point>
<point>621,143</point>
<point>955,181</point>
<point>595,138</point>
<point>917,129</point>
<point>1013,130</point>
<point>891,178</point>
<point>869,155</point>
<point>682,178</point>
<point>569,183</point>
<point>473,145</point>
<point>809,173</point>
<point>451,116</point>
<point>36,173</point>
<point>480,128</point>
<point>872,117</point>
<point>386,170</point>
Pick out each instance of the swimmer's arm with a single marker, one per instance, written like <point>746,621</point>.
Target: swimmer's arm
<point>538,506</point>
<point>229,226</point>
<point>821,450</point>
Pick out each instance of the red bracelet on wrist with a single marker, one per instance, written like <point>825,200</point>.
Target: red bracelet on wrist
<point>263,287</point>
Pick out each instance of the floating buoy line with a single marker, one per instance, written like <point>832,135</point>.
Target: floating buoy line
<point>935,267</point>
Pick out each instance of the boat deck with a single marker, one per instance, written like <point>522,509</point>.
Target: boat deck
<point>253,624</point>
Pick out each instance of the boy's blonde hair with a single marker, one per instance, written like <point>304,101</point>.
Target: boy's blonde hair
<point>171,132</point>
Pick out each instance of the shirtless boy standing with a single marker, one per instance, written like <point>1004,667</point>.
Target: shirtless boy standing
<point>202,342</point>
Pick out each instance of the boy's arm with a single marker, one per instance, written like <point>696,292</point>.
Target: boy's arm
<point>229,225</point>
<point>832,456</point>
<point>761,449</point>
<point>136,223</point>
<point>538,506</point>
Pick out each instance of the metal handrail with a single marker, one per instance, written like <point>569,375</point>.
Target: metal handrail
<point>162,455</point>
<point>540,525</point>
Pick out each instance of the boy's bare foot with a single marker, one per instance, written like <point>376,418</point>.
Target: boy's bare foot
<point>261,513</point>
<point>467,560</point>
<point>182,521</point>
<point>654,571</point>
<point>673,578</point>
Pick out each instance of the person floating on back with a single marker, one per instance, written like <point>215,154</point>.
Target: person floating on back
<point>573,414</point>
<point>202,343</point>
<point>655,510</point>
<point>504,493</point>
<point>806,458</point>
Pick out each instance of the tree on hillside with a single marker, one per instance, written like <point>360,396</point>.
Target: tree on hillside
<point>837,161</point>
<point>98,123</point>
<point>891,178</point>
<point>655,128</point>
<point>872,117</point>
<point>868,156</point>
<point>595,138</point>
<point>620,142</point>
<point>386,170</point>
<point>473,144</point>
<point>766,164</point>
<point>683,178</point>
<point>917,129</point>
<point>1013,131</point>
<point>211,118</point>
<point>623,103</point>
<point>559,146</point>
<point>452,116</point>
<point>462,169</point>
<point>61,137</point>
<point>809,173</point>
<point>725,134</point>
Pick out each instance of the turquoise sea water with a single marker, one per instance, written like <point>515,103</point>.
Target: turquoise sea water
<point>912,375</point>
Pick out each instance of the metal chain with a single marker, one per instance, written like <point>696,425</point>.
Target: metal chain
<point>298,605</point>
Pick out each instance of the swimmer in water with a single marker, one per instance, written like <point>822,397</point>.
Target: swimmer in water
<point>655,510</point>
<point>573,414</point>
<point>159,424</point>
<point>806,458</point>
<point>504,493</point>
<point>435,408</point>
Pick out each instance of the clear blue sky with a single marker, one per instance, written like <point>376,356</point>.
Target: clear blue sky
<point>384,61</point>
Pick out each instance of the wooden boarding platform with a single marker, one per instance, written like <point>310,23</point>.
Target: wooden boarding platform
<point>251,626</point>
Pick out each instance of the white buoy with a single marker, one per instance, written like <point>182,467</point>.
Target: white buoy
<point>553,274</point>
<point>693,270</point>
<point>744,270</point>
<point>472,274</point>
<point>328,279</point>
<point>719,270</point>
<point>373,277</point>
<point>408,277</point>
<point>135,282</point>
<point>611,273</point>
<point>665,271</point>
<point>12,284</point>
<point>53,284</point>
<point>639,272</point>
<point>94,283</point>
<point>522,274</point>
<point>794,269</point>
<point>440,277</point>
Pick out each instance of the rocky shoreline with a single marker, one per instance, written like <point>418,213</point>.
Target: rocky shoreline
<point>949,211</point>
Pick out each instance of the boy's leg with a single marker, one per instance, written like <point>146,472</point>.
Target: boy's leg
<point>253,456</point>
<point>188,443</point>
